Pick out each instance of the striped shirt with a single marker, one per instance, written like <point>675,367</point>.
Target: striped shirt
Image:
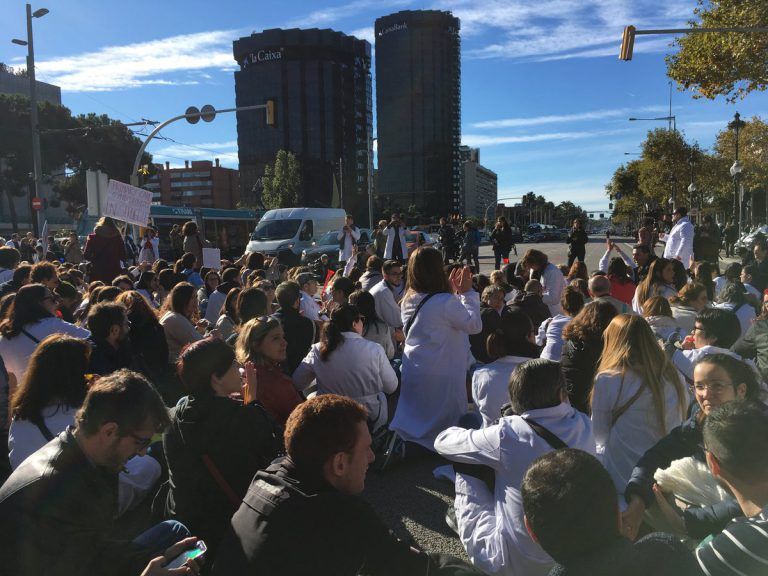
<point>741,549</point>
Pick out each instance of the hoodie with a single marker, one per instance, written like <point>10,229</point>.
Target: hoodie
<point>105,250</point>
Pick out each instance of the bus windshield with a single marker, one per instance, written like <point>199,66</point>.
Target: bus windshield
<point>276,229</point>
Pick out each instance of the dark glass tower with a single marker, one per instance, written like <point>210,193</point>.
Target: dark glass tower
<point>321,81</point>
<point>418,109</point>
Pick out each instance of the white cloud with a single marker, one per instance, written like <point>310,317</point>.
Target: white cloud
<point>482,140</point>
<point>563,118</point>
<point>154,62</point>
<point>365,34</point>
<point>331,14</point>
<point>226,151</point>
<point>590,194</point>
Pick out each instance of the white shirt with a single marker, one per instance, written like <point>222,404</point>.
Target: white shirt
<point>680,242</point>
<point>752,290</point>
<point>436,358</point>
<point>308,307</point>
<point>357,368</point>
<point>666,291</point>
<point>490,386</point>
<point>390,234</point>
<point>345,252</point>
<point>387,307</point>
<point>216,300</point>
<point>491,525</point>
<point>685,316</point>
<point>17,350</point>
<point>620,446</point>
<point>6,275</point>
<point>553,283</point>
<point>551,337</point>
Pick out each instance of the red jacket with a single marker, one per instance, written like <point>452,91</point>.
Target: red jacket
<point>624,292</point>
<point>276,392</point>
<point>106,253</point>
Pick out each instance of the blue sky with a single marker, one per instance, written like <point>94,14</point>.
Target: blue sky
<point>544,95</point>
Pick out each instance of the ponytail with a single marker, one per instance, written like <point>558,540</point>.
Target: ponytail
<point>342,320</point>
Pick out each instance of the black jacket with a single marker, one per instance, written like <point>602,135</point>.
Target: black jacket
<point>641,272</point>
<point>299,332</point>
<point>238,439</point>
<point>683,441</point>
<point>533,306</point>
<point>149,348</point>
<point>9,287</point>
<point>56,515</point>
<point>294,524</point>
<point>579,362</point>
<point>502,238</point>
<point>578,240</point>
<point>754,345</point>
<point>105,359</point>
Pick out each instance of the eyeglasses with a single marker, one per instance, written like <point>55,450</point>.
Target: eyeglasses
<point>697,328</point>
<point>360,319</point>
<point>711,387</point>
<point>141,442</point>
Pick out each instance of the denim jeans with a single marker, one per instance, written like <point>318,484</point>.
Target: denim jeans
<point>162,536</point>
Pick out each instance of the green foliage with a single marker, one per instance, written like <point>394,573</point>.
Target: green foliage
<point>723,63</point>
<point>282,182</point>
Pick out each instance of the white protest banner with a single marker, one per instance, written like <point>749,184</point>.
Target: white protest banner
<point>212,258</point>
<point>127,203</point>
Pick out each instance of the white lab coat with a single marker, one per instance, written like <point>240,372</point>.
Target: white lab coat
<point>390,234</point>
<point>620,446</point>
<point>436,358</point>
<point>553,283</point>
<point>308,307</point>
<point>680,242</point>
<point>491,525</point>
<point>387,307</point>
<point>490,386</point>
<point>358,369</point>
<point>551,337</point>
<point>345,251</point>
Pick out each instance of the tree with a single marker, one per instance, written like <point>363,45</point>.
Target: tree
<point>282,182</point>
<point>730,64</point>
<point>566,212</point>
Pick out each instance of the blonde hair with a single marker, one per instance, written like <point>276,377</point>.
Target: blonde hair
<point>650,284</point>
<point>251,336</point>
<point>630,346</point>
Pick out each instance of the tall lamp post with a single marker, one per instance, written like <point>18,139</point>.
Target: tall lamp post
<point>692,185</point>
<point>736,125</point>
<point>36,162</point>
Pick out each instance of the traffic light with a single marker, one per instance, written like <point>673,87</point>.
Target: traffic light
<point>271,119</point>
<point>627,43</point>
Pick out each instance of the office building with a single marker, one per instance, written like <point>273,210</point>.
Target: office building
<point>16,81</point>
<point>201,184</point>
<point>418,109</point>
<point>479,185</point>
<point>321,83</point>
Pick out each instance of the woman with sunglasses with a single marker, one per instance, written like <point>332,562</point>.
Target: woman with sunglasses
<point>345,363</point>
<point>47,401</point>
<point>262,342</point>
<point>219,436</point>
<point>31,318</point>
<point>717,379</point>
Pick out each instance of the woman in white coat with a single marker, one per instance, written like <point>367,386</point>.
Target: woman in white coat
<point>345,363</point>
<point>439,313</point>
<point>396,248</point>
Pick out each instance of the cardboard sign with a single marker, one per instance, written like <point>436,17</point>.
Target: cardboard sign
<point>127,203</point>
<point>212,258</point>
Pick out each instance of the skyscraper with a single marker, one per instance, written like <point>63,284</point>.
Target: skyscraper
<point>418,108</point>
<point>321,82</point>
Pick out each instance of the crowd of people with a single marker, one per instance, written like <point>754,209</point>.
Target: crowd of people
<point>592,418</point>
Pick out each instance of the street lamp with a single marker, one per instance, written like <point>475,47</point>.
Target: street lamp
<point>36,161</point>
<point>736,125</point>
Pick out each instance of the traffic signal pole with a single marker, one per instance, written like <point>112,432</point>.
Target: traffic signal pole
<point>628,38</point>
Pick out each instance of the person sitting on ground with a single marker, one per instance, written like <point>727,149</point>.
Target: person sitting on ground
<point>732,272</point>
<point>189,267</point>
<point>251,303</point>
<point>123,283</point>
<point>345,363</point>
<point>46,403</point>
<point>747,277</point>
<point>510,344</point>
<point>619,271</point>
<point>577,270</point>
<point>46,274</point>
<point>147,286</point>
<point>312,496</point>
<point>690,301</point>
<point>211,281</point>
<point>388,294</point>
<point>227,321</point>
<point>550,334</point>
<point>490,519</point>
<point>149,348</point>
<point>703,273</point>
<point>717,379</point>
<point>637,397</point>
<point>714,331</point>
<point>659,282</point>
<point>180,321</point>
<point>567,488</point>
<point>19,278</point>
<point>552,280</point>
<point>658,313</point>
<point>108,294</point>
<point>372,274</point>
<point>230,279</point>
<point>31,318</point>
<point>298,330</point>
<point>215,443</point>
<point>110,343</point>
<point>754,344</point>
<point>262,341</point>
<point>736,448</point>
<point>309,306</point>
<point>733,297</point>
<point>582,350</point>
<point>9,260</point>
<point>492,310</point>
<point>341,289</point>
<point>57,508</point>
<point>374,328</point>
<point>531,302</point>
<point>69,300</point>
<point>600,289</point>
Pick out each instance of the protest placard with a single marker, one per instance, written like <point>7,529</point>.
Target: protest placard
<point>212,258</point>
<point>127,203</point>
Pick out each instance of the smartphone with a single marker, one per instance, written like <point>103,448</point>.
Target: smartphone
<point>197,552</point>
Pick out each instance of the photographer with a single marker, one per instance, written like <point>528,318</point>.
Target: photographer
<point>396,248</point>
<point>348,237</point>
<point>447,237</point>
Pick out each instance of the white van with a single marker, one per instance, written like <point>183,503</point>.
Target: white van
<point>285,232</point>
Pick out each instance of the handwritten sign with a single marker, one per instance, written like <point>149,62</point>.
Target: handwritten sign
<point>212,258</point>
<point>127,203</point>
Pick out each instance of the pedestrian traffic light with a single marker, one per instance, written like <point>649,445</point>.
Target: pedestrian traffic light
<point>627,43</point>
<point>271,120</point>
